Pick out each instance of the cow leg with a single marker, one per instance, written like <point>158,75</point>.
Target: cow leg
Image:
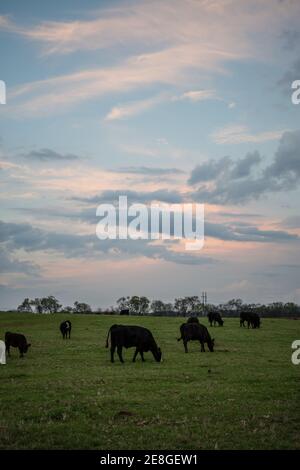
<point>8,349</point>
<point>202,347</point>
<point>119,351</point>
<point>142,355</point>
<point>185,346</point>
<point>21,353</point>
<point>135,354</point>
<point>112,352</point>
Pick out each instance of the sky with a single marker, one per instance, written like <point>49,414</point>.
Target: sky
<point>180,101</point>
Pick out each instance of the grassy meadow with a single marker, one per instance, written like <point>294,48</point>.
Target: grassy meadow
<point>67,394</point>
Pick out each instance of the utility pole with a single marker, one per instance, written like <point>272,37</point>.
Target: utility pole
<point>204,300</point>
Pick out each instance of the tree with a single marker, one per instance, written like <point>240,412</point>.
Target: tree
<point>82,307</point>
<point>159,306</point>
<point>37,304</point>
<point>123,303</point>
<point>144,305</point>
<point>68,309</point>
<point>50,304</point>
<point>186,305</point>
<point>25,306</point>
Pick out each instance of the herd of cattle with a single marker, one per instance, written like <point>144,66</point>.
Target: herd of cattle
<point>140,338</point>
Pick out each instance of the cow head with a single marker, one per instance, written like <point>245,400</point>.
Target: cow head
<point>211,345</point>
<point>157,355</point>
<point>221,322</point>
<point>26,347</point>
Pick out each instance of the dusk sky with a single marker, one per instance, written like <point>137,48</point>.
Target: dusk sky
<point>163,101</point>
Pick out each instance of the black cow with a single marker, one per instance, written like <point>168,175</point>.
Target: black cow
<point>124,311</point>
<point>197,332</point>
<point>16,341</point>
<point>251,318</point>
<point>129,337</point>
<point>192,320</point>
<point>65,328</point>
<point>215,317</point>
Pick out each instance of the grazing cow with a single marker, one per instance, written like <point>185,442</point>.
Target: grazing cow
<point>198,332</point>
<point>251,318</point>
<point>192,320</point>
<point>16,341</point>
<point>65,328</point>
<point>2,352</point>
<point>215,317</point>
<point>132,336</point>
<point>124,311</point>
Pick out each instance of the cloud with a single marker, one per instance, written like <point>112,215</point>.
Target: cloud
<point>209,170</point>
<point>181,46</point>
<point>24,236</point>
<point>48,155</point>
<point>290,39</point>
<point>197,95</point>
<point>226,167</point>
<point>137,107</point>
<point>112,196</point>
<point>148,171</point>
<point>246,233</point>
<point>232,181</point>
<point>287,158</point>
<point>10,264</point>
<point>244,165</point>
<point>133,108</point>
<point>237,134</point>
<point>289,76</point>
<point>292,222</point>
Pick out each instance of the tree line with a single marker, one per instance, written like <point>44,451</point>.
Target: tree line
<point>182,306</point>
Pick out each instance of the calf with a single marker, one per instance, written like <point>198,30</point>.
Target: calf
<point>132,336</point>
<point>16,341</point>
<point>2,352</point>
<point>65,328</point>
<point>215,317</point>
<point>197,332</point>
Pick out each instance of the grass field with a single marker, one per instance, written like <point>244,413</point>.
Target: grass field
<point>67,394</point>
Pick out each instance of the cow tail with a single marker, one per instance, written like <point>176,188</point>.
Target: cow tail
<point>106,345</point>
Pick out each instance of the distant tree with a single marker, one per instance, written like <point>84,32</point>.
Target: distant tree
<point>82,307</point>
<point>159,306</point>
<point>187,305</point>
<point>123,303</point>
<point>134,304</point>
<point>25,306</point>
<point>37,305</point>
<point>144,305</point>
<point>50,304</point>
<point>68,309</point>
<point>169,307</point>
